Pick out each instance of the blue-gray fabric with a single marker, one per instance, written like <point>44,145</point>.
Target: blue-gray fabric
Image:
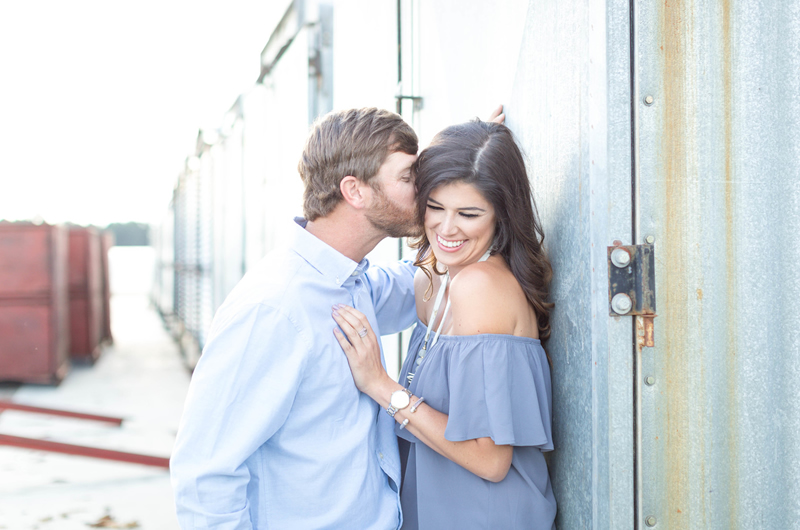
<point>275,433</point>
<point>495,386</point>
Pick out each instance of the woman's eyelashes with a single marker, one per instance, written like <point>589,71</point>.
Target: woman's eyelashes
<point>462,214</point>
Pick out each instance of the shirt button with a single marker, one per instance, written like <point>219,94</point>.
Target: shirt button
<point>380,455</point>
<point>337,281</point>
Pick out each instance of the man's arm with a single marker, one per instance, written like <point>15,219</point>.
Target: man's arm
<point>392,289</point>
<point>240,394</point>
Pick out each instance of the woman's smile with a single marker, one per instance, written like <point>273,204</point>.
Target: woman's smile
<point>449,246</point>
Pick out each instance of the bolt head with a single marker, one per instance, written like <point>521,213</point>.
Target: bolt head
<point>650,521</point>
<point>648,100</point>
<point>621,304</point>
<point>620,257</point>
<point>650,380</point>
<point>650,240</point>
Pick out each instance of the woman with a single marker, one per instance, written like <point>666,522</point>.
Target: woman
<point>474,401</point>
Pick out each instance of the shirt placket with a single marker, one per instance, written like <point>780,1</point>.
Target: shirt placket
<point>359,297</point>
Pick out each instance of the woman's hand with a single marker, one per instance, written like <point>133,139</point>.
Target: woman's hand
<point>360,345</point>
<point>480,456</point>
<point>498,116</point>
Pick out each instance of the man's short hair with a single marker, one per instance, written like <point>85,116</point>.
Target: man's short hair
<point>352,142</point>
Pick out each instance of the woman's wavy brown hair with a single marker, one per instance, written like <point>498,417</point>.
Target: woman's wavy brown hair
<point>486,156</point>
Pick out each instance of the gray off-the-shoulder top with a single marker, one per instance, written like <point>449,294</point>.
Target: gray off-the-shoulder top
<point>495,386</point>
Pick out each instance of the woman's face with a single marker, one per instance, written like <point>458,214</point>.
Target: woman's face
<point>459,223</point>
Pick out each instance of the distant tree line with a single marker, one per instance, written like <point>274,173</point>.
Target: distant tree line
<point>130,234</point>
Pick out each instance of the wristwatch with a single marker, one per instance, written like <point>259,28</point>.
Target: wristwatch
<point>399,400</point>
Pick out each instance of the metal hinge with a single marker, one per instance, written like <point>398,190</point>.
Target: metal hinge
<point>632,284</point>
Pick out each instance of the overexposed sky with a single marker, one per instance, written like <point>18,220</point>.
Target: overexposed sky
<point>101,101</point>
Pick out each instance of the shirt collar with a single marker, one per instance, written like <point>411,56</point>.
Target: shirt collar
<point>328,261</point>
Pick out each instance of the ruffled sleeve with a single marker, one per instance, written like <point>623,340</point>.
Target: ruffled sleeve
<point>500,388</point>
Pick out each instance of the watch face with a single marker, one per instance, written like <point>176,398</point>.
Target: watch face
<point>399,400</point>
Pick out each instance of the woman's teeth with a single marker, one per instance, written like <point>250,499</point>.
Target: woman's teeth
<point>449,244</point>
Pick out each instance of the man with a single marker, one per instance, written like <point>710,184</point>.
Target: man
<point>275,433</point>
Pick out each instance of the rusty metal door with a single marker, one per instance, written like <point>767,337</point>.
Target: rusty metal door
<point>716,112</point>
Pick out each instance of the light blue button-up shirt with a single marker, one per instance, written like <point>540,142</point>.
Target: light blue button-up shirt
<point>274,432</point>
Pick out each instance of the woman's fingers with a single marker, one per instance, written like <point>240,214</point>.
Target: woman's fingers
<point>354,318</point>
<point>343,342</point>
<point>347,328</point>
<point>498,116</point>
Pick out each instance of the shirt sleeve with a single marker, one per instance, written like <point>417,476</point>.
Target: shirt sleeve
<point>392,291</point>
<point>240,394</point>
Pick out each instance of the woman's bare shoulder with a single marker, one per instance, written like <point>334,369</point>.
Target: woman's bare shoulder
<point>485,298</point>
<point>421,281</point>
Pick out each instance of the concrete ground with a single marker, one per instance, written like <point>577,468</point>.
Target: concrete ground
<point>142,379</point>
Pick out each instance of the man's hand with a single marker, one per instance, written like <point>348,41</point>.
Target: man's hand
<point>497,116</point>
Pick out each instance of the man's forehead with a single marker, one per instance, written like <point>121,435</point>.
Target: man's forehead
<point>400,159</point>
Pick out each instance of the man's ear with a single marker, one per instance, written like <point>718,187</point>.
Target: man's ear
<point>354,192</point>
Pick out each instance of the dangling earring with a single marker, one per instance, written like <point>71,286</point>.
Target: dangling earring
<point>495,246</point>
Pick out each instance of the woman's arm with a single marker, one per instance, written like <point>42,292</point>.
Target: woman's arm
<point>480,456</point>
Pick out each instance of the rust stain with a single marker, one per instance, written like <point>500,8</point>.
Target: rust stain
<point>675,154</point>
<point>699,294</point>
<point>730,264</point>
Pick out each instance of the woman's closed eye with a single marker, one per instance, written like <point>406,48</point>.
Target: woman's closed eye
<point>466,215</point>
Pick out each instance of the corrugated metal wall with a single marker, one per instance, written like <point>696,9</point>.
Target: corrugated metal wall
<point>571,112</point>
<point>719,174</point>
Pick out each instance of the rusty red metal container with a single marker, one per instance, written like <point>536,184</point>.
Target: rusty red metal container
<point>106,242</point>
<point>85,294</point>
<point>34,322</point>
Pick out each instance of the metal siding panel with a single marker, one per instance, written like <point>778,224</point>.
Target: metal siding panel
<point>287,87</point>
<point>255,170</point>
<point>229,171</point>
<point>571,111</point>
<point>206,247</point>
<point>718,154</point>
<point>371,80</point>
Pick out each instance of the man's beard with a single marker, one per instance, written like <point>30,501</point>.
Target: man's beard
<point>392,219</point>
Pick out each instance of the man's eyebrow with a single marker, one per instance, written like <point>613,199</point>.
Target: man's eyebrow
<point>460,209</point>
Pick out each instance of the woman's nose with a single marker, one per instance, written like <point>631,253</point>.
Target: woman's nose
<point>448,225</point>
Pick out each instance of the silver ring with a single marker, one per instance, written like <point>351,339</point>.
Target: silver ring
<point>362,333</point>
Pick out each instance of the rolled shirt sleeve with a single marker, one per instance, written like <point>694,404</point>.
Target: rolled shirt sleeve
<point>241,393</point>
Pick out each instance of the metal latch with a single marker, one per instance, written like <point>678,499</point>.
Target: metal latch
<point>632,284</point>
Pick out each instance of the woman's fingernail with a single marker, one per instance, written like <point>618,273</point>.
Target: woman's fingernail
<point>335,312</point>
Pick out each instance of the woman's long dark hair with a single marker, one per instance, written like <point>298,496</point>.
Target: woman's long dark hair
<point>486,156</point>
